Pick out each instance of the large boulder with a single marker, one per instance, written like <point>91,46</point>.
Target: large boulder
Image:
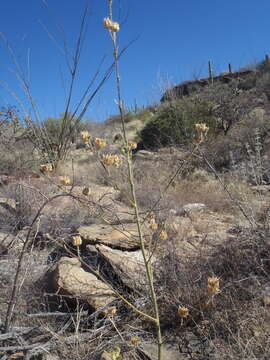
<point>122,237</point>
<point>128,265</point>
<point>69,278</point>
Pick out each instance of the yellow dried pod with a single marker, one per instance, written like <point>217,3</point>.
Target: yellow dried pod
<point>163,235</point>
<point>100,143</point>
<point>76,240</point>
<point>65,180</point>
<point>117,161</point>
<point>112,26</point>
<point>132,145</point>
<point>213,285</point>
<point>153,225</point>
<point>109,160</point>
<point>46,168</point>
<point>85,136</point>
<point>135,340</point>
<point>183,312</point>
<point>111,311</point>
<point>201,127</point>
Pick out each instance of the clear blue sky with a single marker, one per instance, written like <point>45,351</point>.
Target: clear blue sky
<point>174,41</point>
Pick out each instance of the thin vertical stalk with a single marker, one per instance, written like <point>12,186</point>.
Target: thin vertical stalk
<point>147,264</point>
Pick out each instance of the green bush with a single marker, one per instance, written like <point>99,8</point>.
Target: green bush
<point>174,122</point>
<point>54,128</point>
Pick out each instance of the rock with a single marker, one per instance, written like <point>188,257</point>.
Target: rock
<point>8,204</point>
<point>6,240</point>
<point>170,351</point>
<point>105,356</point>
<point>122,238</point>
<point>117,213</point>
<point>70,278</point>
<point>128,265</point>
<point>50,357</point>
<point>191,208</point>
<point>145,155</point>
<point>266,300</point>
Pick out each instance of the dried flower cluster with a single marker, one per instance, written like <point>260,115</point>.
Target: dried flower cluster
<point>111,311</point>
<point>213,285</point>
<point>183,312</point>
<point>112,26</point>
<point>151,218</point>
<point>202,130</point>
<point>163,235</point>
<point>153,225</point>
<point>100,143</point>
<point>76,240</point>
<point>110,160</point>
<point>131,145</point>
<point>135,340</point>
<point>65,180</point>
<point>85,136</point>
<point>46,168</point>
<point>151,215</point>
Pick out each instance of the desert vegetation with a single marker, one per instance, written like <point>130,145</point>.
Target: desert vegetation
<point>144,237</point>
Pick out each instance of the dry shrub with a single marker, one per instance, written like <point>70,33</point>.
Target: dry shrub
<point>202,187</point>
<point>237,313</point>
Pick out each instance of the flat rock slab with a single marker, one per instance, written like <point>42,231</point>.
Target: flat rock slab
<point>70,278</point>
<point>117,213</point>
<point>125,238</point>
<point>128,265</point>
<point>192,208</point>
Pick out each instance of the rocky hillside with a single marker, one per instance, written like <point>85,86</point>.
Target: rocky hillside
<point>73,280</point>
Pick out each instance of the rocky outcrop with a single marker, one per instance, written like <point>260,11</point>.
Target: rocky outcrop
<point>125,238</point>
<point>69,278</point>
<point>187,87</point>
<point>128,265</point>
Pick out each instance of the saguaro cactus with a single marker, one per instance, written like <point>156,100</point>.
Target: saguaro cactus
<point>210,71</point>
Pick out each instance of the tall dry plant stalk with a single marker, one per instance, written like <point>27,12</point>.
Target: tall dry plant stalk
<point>113,27</point>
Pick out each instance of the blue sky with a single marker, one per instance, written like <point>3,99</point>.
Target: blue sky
<point>173,42</point>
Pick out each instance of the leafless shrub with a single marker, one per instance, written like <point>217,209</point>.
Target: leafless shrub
<point>230,320</point>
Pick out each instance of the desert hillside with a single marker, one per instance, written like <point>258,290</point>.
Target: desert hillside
<point>91,220</point>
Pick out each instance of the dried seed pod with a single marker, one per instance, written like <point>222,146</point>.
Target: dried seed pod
<point>112,26</point>
<point>65,180</point>
<point>76,240</point>
<point>183,312</point>
<point>213,285</point>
